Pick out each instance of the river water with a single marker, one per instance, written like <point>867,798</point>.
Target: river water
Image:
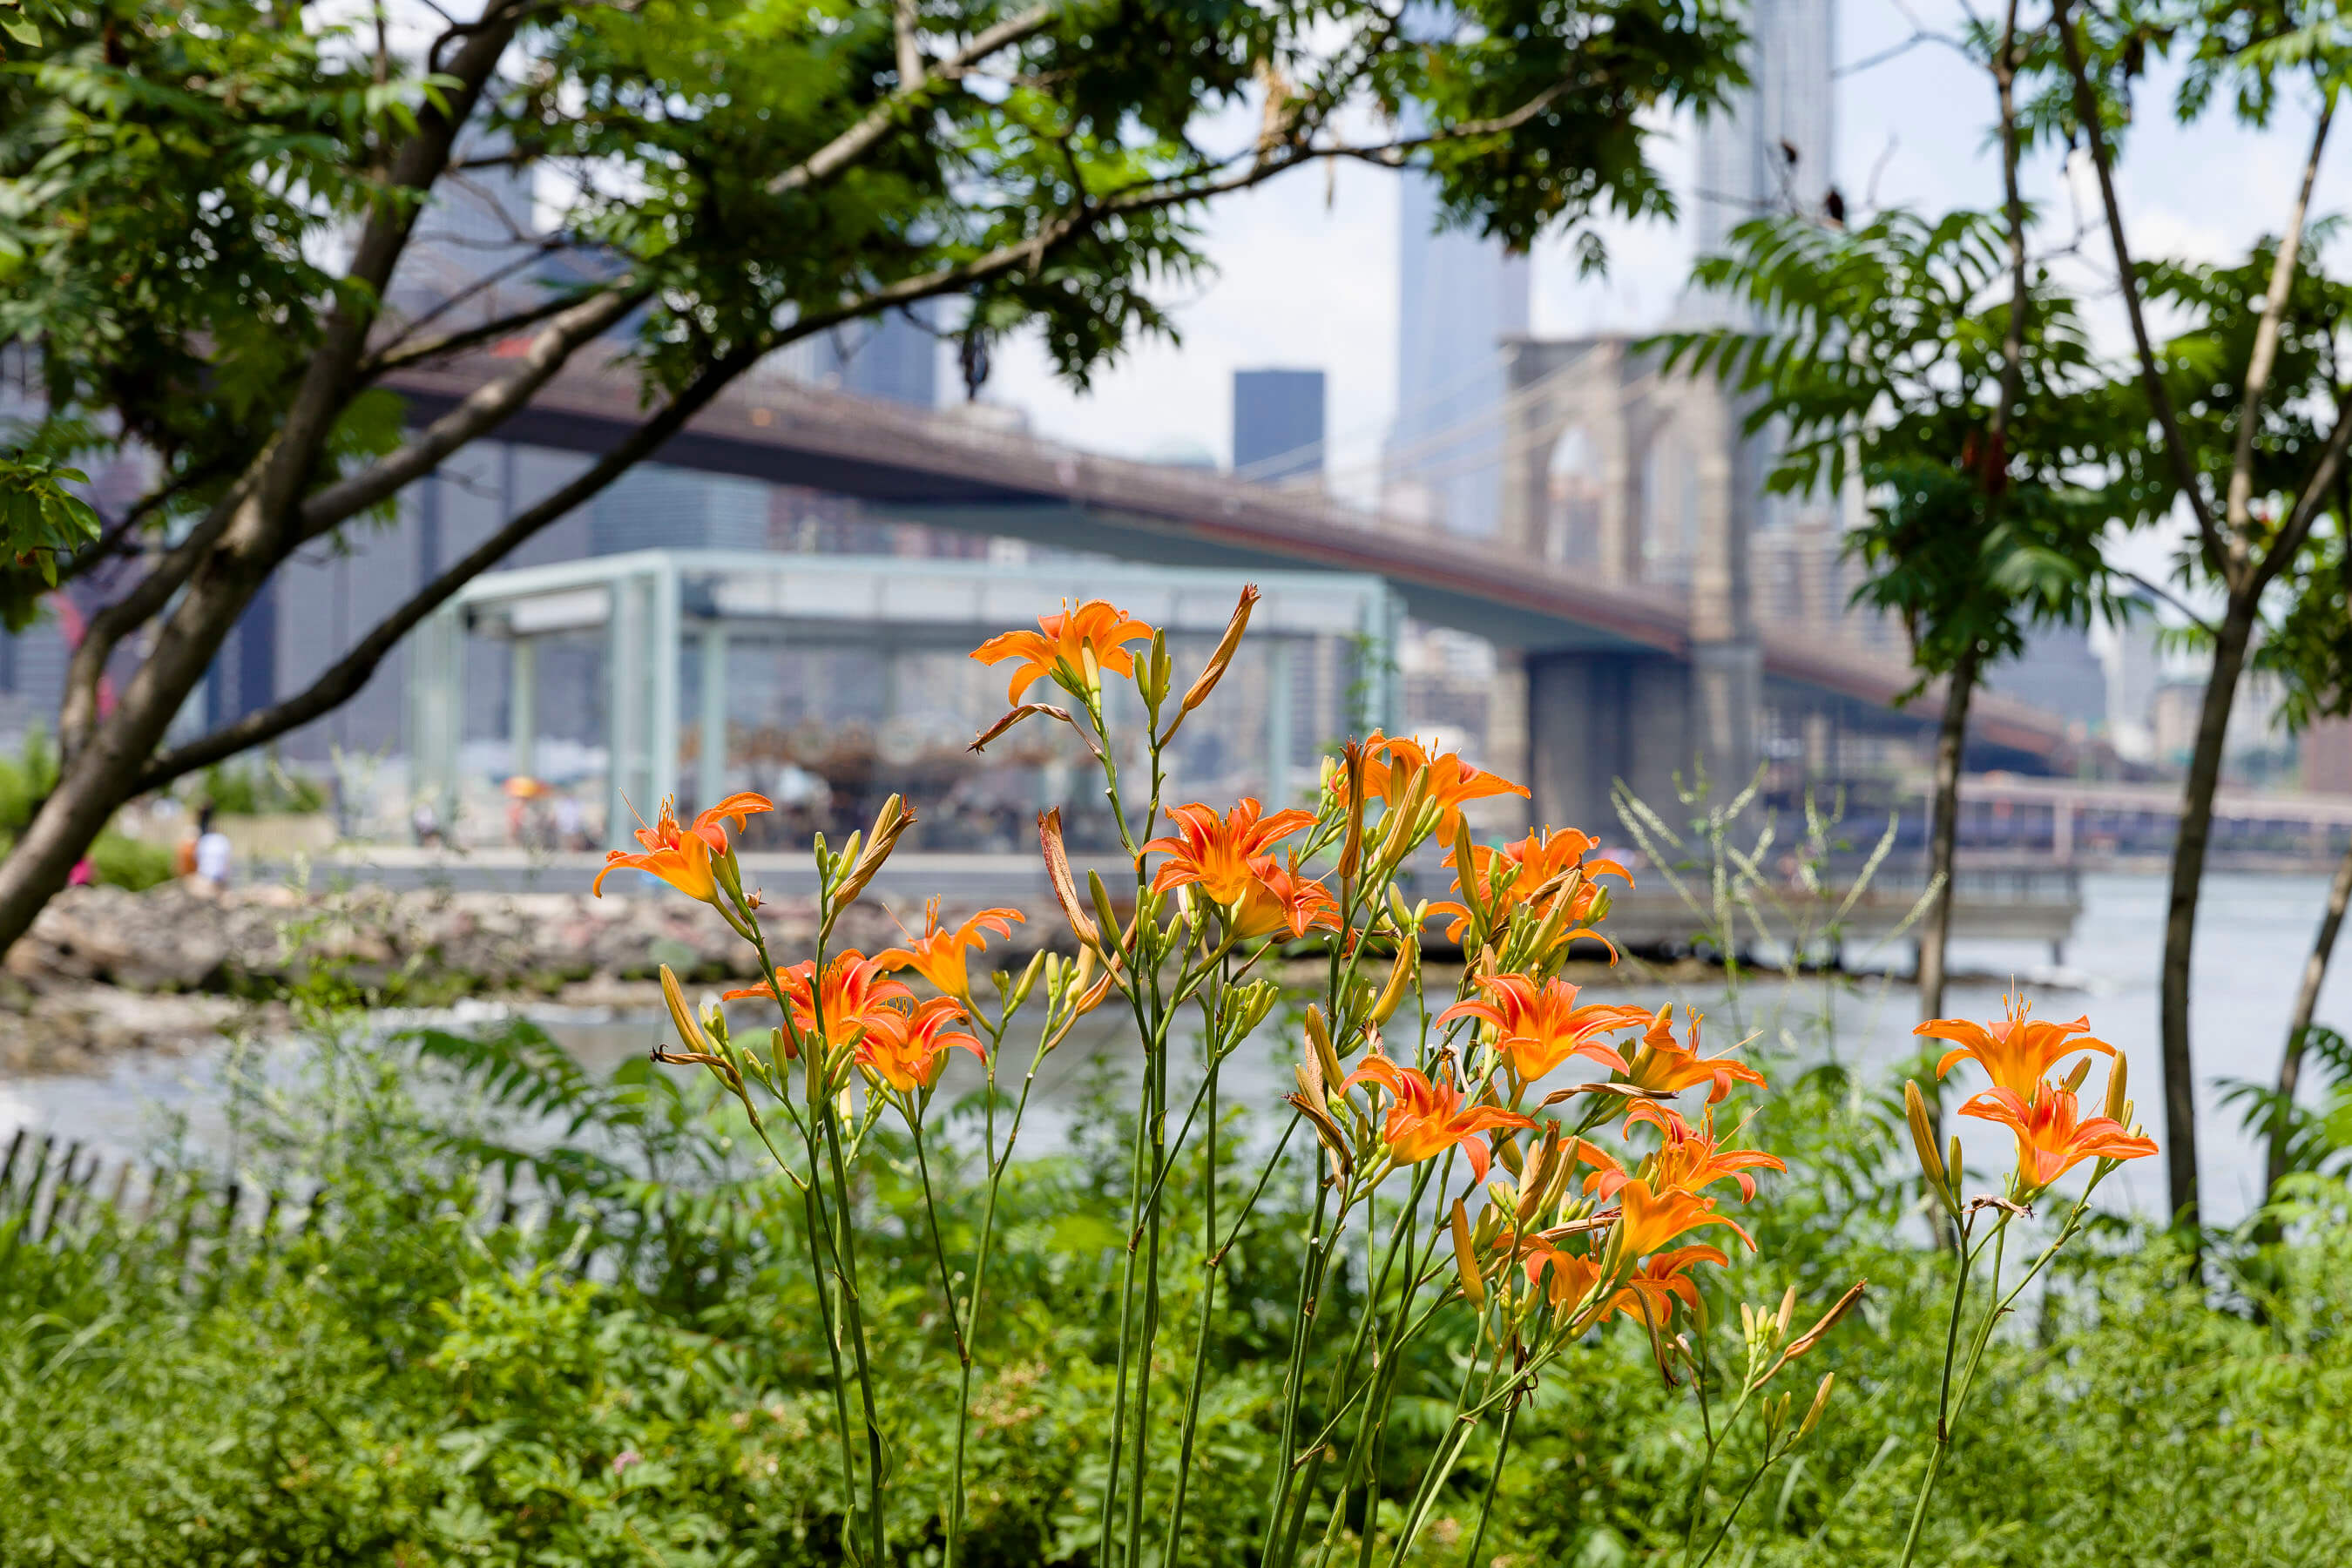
<point>2254,933</point>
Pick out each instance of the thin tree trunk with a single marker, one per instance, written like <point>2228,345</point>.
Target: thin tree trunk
<point>2229,646</point>
<point>2306,1003</point>
<point>1952,741</point>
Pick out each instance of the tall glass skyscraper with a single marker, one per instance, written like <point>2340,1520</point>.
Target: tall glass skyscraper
<point>1772,148</point>
<point>1458,296</point>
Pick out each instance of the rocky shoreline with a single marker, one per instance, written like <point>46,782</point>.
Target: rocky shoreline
<point>104,971</point>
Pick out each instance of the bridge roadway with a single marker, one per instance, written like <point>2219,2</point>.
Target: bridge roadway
<point>948,472</point>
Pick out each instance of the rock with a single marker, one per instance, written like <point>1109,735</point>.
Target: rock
<point>103,969</point>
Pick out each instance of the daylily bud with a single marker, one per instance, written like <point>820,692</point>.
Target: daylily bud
<point>890,824</point>
<point>1472,897</point>
<point>1066,888</point>
<point>1103,912</point>
<point>1310,1083</point>
<point>1399,911</point>
<point>1820,1402</point>
<point>2074,1079</point>
<point>1214,670</point>
<point>1787,1307</point>
<point>1352,847</point>
<point>981,741</point>
<point>690,1035</point>
<point>1400,974</point>
<point>1466,1260</point>
<point>1027,981</point>
<point>2118,1079</point>
<point>1151,673</point>
<point>1396,832</point>
<point>1319,1038</point>
<point>1923,1142</point>
<point>1814,1335</point>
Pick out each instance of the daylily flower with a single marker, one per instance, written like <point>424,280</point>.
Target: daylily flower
<point>1652,1214</point>
<point>905,1050</point>
<point>2050,1138</point>
<point>855,997</point>
<point>1662,1066</point>
<point>682,855</point>
<point>2017,1051</point>
<point>1213,853</point>
<point>1425,1119</point>
<point>1650,1292</point>
<point>1573,1274</point>
<point>1537,860</point>
<point>1281,898</point>
<point>1691,1159</point>
<point>1539,1027</point>
<point>939,954</point>
<point>1072,646</point>
<point>1389,765</point>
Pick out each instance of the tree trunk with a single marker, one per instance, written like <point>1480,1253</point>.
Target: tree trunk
<point>100,778</point>
<point>2229,645</point>
<point>1952,741</point>
<point>2306,1003</point>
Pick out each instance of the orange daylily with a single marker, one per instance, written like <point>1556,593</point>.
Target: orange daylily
<point>1573,1274</point>
<point>1539,1027</point>
<point>1654,1214</point>
<point>1063,643</point>
<point>1691,1158</point>
<point>1536,860</point>
<point>681,856</point>
<point>2017,1050</point>
<point>1215,852</point>
<point>2051,1139</point>
<point>1281,898</point>
<point>855,997</point>
<point>1425,1119</point>
<point>905,1050</point>
<point>939,954</point>
<point>1391,764</point>
<point>1662,1066</point>
<point>1650,1292</point>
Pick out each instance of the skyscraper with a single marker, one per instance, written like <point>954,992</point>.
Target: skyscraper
<point>1278,424</point>
<point>891,357</point>
<point>1772,147</point>
<point>1458,296</point>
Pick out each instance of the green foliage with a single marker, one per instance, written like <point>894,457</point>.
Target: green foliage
<point>1880,358</point>
<point>618,1381</point>
<point>177,179</point>
<point>262,788</point>
<point>40,520</point>
<point>118,860</point>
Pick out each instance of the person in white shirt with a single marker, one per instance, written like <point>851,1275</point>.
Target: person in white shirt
<point>212,855</point>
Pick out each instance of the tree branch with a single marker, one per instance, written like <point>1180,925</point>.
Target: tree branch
<point>2308,504</point>
<point>2265,351</point>
<point>465,338</point>
<point>342,680</point>
<point>853,143</point>
<point>482,410</point>
<point>479,286</point>
<point>2184,465</point>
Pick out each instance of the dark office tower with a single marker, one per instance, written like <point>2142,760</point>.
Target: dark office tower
<point>1278,424</point>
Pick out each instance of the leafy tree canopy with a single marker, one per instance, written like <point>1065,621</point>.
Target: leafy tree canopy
<point>1877,356</point>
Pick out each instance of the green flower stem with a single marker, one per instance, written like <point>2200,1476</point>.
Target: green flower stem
<point>1487,1500</point>
<point>1311,1276</point>
<point>997,1165</point>
<point>1208,1305</point>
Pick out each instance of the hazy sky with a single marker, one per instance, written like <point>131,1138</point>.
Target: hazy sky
<point>1307,265</point>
